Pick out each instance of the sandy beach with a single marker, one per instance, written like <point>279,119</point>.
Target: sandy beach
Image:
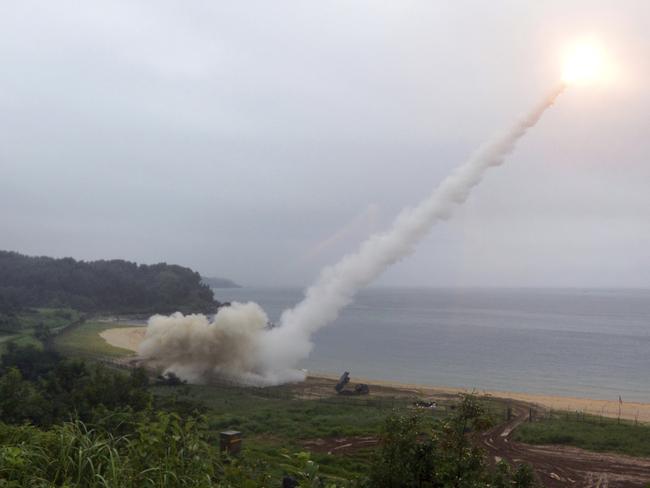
<point>124,337</point>
<point>607,408</point>
<point>130,337</point>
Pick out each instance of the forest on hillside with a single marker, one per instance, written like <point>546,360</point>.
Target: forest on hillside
<point>115,286</point>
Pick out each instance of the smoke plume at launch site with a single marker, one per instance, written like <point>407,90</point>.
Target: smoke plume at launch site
<point>237,344</point>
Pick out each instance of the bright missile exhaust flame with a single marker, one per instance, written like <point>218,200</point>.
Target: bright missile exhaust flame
<point>584,64</point>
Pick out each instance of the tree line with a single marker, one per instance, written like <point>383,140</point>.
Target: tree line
<point>99,286</point>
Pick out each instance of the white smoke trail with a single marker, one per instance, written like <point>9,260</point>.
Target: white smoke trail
<point>236,344</point>
<point>338,284</point>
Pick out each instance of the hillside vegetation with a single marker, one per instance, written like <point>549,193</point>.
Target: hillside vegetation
<point>34,326</point>
<point>116,286</point>
<point>70,423</point>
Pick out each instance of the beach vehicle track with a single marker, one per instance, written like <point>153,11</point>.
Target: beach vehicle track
<point>562,466</point>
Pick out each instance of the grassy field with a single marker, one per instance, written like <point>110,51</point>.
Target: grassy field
<point>81,340</point>
<point>85,341</point>
<point>52,318</point>
<point>588,432</point>
<point>277,421</point>
<point>31,320</point>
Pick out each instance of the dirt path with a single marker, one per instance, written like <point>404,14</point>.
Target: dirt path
<point>561,466</point>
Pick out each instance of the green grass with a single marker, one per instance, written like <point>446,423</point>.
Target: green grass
<point>592,433</point>
<point>269,411</point>
<point>275,420</point>
<point>27,340</point>
<point>52,318</point>
<point>29,320</point>
<point>85,341</point>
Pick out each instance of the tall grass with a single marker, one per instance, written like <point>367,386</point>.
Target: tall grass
<point>86,458</point>
<point>161,453</point>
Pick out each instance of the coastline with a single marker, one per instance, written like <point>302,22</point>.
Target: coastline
<point>130,337</point>
<point>638,411</point>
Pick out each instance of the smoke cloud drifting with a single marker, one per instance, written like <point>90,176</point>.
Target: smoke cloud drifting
<point>236,343</point>
<point>197,348</point>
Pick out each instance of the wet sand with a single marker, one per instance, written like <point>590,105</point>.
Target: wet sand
<point>130,337</point>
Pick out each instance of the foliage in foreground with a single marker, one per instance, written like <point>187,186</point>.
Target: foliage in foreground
<point>445,457</point>
<point>42,388</point>
<point>164,452</point>
<point>167,451</point>
<point>121,437</point>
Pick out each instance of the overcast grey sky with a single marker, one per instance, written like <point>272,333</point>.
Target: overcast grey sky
<point>261,140</point>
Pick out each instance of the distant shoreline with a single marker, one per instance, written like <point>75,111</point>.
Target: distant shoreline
<point>219,283</point>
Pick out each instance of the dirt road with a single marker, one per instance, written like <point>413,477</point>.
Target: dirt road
<point>561,466</point>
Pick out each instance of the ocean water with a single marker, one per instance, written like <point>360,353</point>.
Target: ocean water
<point>588,343</point>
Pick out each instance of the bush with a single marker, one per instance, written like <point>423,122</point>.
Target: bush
<point>42,388</point>
<point>443,457</point>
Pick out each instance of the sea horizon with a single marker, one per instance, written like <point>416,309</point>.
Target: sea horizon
<point>580,342</point>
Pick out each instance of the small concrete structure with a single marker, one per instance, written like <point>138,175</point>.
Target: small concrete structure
<point>230,442</point>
